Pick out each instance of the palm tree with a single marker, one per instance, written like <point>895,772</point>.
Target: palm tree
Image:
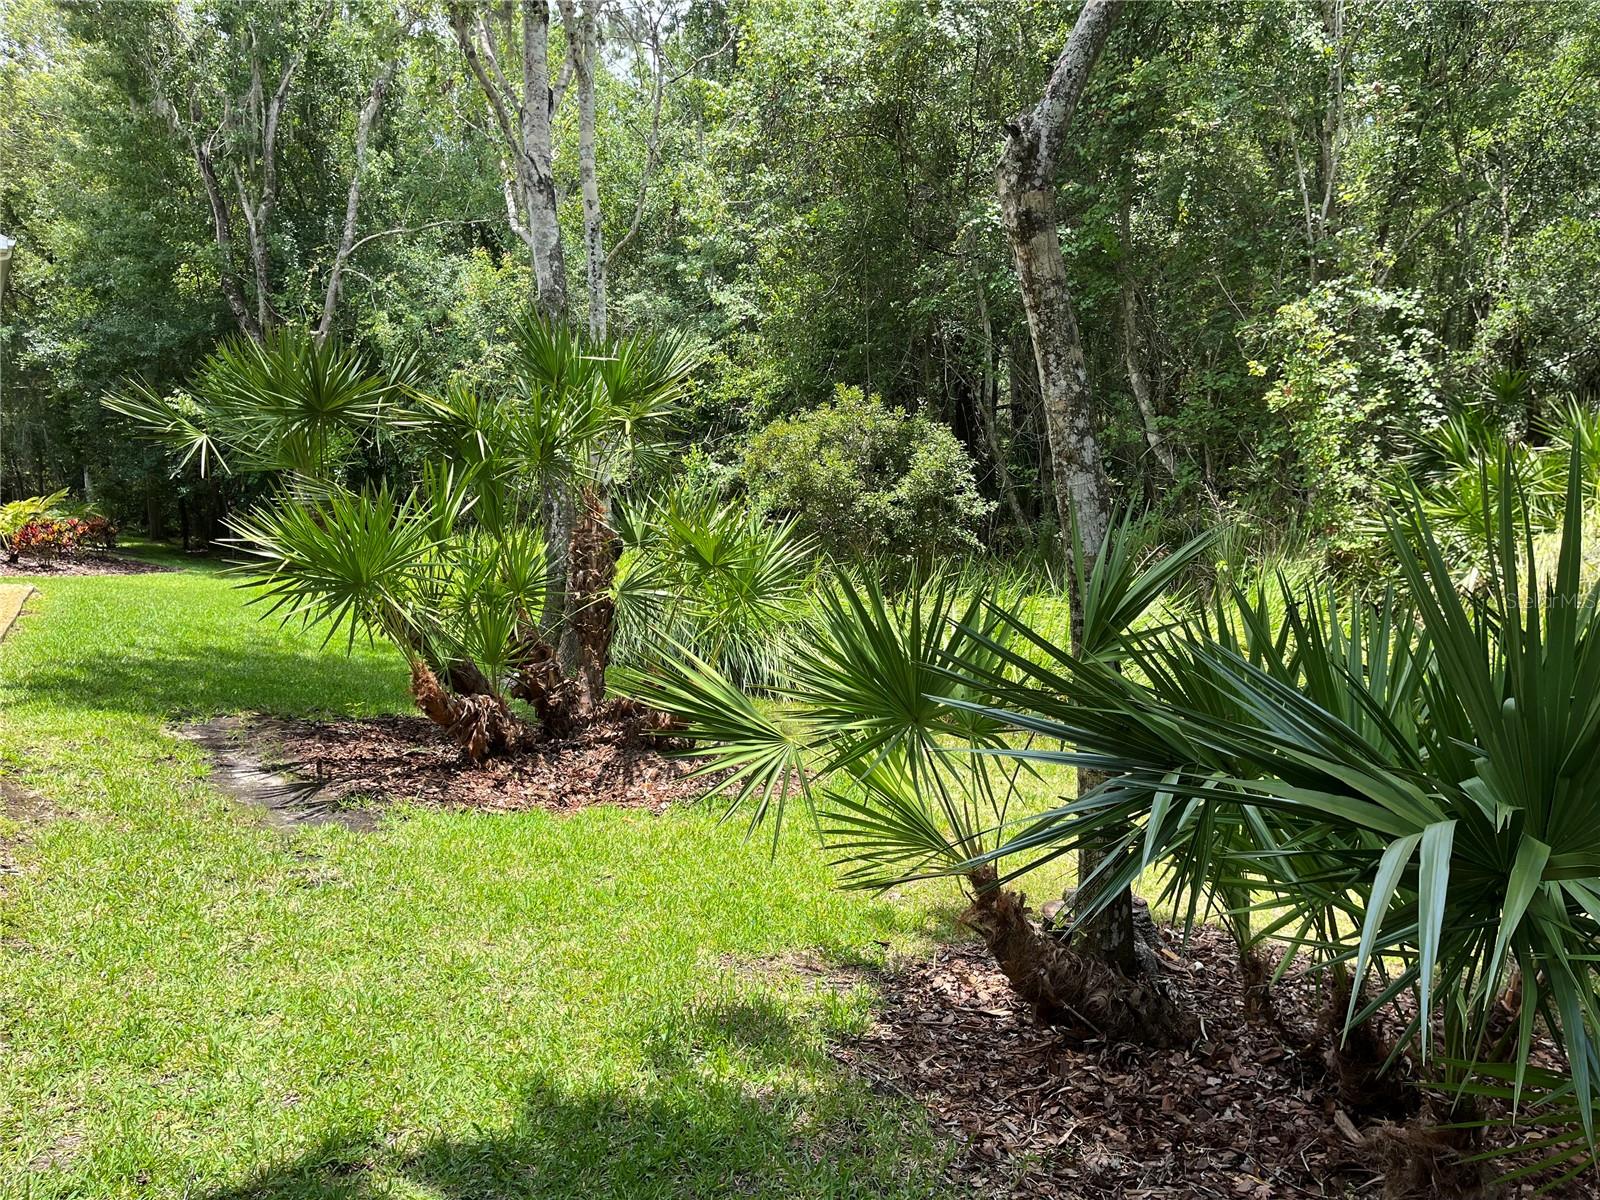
<point>881,727</point>
<point>1403,786</point>
<point>1439,757</point>
<point>493,575</point>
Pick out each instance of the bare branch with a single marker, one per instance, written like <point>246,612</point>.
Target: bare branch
<point>347,242</point>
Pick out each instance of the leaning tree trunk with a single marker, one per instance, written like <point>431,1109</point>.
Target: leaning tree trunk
<point>1081,993</point>
<point>477,721</point>
<point>1026,183</point>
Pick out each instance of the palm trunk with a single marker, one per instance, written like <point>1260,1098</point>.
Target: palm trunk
<point>1082,993</point>
<point>480,723</point>
<point>1357,1058</point>
<point>591,619</point>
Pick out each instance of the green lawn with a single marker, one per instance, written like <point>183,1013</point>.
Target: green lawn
<point>453,1006</point>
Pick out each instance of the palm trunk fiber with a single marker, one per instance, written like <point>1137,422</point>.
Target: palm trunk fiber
<point>591,618</point>
<point>480,723</point>
<point>1356,1059</point>
<point>1081,993</point>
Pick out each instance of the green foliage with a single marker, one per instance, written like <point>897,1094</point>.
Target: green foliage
<point>1406,787</point>
<point>861,729</point>
<point>866,479</point>
<point>454,574</point>
<point>1463,471</point>
<point>18,513</point>
<point>712,577</point>
<point>286,403</point>
<point>1350,367</point>
<point>879,724</point>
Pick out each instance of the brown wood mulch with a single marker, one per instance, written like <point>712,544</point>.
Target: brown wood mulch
<point>1248,1111</point>
<point>306,770</point>
<point>94,564</point>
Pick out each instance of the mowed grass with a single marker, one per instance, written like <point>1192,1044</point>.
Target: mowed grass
<point>194,1005</point>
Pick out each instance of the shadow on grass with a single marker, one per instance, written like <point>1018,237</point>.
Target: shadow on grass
<point>207,678</point>
<point>689,1137</point>
<point>754,1030</point>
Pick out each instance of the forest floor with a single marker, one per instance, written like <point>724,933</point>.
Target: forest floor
<point>598,1000</point>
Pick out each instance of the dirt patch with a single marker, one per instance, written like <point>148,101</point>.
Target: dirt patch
<point>807,966</point>
<point>304,771</point>
<point>59,1155</point>
<point>18,806</point>
<point>18,803</point>
<point>106,564</point>
<point>246,767</point>
<point>1247,1111</point>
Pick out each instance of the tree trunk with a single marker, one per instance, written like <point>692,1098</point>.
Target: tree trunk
<point>1026,183</point>
<point>988,407</point>
<point>550,264</point>
<point>479,722</point>
<point>583,51</point>
<point>352,204</point>
<point>1081,993</point>
<point>1133,351</point>
<point>524,121</point>
<point>1356,1059</point>
<point>591,615</point>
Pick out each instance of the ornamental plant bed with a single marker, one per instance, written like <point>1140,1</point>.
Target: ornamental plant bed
<point>346,769</point>
<point>1247,1110</point>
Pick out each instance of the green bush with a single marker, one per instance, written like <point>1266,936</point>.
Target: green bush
<point>866,479</point>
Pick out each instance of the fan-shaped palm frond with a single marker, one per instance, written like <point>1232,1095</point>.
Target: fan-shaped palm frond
<point>362,562</point>
<point>1441,776</point>
<point>284,403</point>
<point>712,576</point>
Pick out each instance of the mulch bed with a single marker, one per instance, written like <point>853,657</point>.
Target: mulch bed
<point>1248,1111</point>
<point>99,564</point>
<point>344,769</point>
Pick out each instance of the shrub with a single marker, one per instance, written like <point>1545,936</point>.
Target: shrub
<point>867,479</point>
<point>50,527</point>
<point>713,577</point>
<point>1346,367</point>
<point>62,537</point>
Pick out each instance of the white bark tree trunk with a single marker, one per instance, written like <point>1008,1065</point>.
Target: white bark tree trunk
<point>1026,181</point>
<point>352,205</point>
<point>523,116</point>
<point>582,28</point>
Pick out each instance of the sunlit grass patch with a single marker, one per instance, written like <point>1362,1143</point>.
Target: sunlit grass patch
<point>195,1005</point>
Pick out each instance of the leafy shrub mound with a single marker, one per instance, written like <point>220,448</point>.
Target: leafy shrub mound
<point>44,527</point>
<point>867,479</point>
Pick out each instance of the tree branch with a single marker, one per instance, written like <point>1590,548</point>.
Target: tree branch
<point>347,242</point>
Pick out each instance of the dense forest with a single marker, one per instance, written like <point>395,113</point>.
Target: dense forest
<point>1297,235</point>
